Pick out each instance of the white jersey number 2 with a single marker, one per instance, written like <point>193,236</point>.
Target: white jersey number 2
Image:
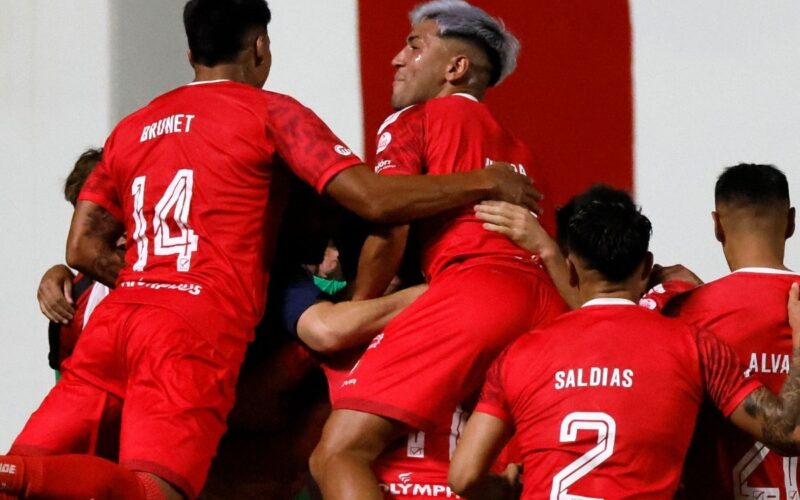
<point>176,201</point>
<point>606,429</point>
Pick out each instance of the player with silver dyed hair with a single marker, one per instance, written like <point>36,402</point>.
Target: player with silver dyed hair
<point>457,18</point>
<point>412,378</point>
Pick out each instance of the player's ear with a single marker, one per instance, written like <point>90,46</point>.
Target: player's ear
<point>647,268</point>
<point>457,69</point>
<point>260,48</point>
<point>719,233</point>
<point>190,57</point>
<point>573,272</point>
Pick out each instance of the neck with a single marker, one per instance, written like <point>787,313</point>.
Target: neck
<point>233,72</point>
<point>477,93</point>
<point>608,290</point>
<point>753,252</point>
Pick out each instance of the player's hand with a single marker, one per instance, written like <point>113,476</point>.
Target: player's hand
<point>55,294</point>
<point>516,223</point>
<point>794,314</point>
<point>515,188</point>
<point>661,274</point>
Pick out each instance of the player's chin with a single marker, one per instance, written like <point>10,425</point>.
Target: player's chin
<point>399,100</point>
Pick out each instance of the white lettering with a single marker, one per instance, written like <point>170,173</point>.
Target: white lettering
<point>597,377</point>
<point>768,363</point>
<point>560,380</point>
<point>8,468</point>
<point>173,124</point>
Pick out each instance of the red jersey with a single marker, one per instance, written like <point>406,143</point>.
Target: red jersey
<point>610,408</point>
<point>442,136</point>
<point>747,309</point>
<point>196,178</point>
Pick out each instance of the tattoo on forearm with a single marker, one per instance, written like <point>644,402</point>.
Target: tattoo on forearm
<point>108,262</point>
<point>779,415</point>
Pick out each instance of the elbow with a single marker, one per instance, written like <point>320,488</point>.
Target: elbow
<point>76,256</point>
<point>321,338</point>
<point>461,480</point>
<point>376,212</point>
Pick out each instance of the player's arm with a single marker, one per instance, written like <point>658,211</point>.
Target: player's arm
<point>405,198</point>
<point>478,448</point>
<point>520,226</point>
<point>55,294</point>
<point>91,244</point>
<point>773,419</point>
<point>379,260</point>
<point>326,327</point>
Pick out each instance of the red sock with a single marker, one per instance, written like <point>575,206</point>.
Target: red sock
<point>72,476</point>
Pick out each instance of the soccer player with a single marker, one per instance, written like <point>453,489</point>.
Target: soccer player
<point>195,180</point>
<point>484,290</point>
<point>65,299</point>
<point>610,407</point>
<point>752,220</point>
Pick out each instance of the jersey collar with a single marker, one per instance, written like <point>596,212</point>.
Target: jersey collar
<point>764,270</point>
<point>203,82</point>
<point>468,96</point>
<point>608,301</point>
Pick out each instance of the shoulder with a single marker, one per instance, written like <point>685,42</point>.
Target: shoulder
<point>399,117</point>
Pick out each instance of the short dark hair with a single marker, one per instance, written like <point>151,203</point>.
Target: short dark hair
<point>80,171</point>
<point>606,229</point>
<point>752,184</point>
<point>216,29</point>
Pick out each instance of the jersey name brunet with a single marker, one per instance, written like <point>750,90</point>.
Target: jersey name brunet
<point>174,124</point>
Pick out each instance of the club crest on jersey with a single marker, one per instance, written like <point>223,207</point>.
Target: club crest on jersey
<point>384,141</point>
<point>342,150</point>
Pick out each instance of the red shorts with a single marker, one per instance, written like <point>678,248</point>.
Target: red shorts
<point>176,391</point>
<point>435,353</point>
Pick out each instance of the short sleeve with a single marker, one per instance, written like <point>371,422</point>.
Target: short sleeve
<point>306,144</point>
<point>723,374</point>
<point>298,296</point>
<point>656,298</point>
<point>401,144</point>
<point>493,399</point>
<point>99,188</point>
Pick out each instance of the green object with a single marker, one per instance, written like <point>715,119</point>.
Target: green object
<point>331,287</point>
<point>303,495</point>
<point>58,375</point>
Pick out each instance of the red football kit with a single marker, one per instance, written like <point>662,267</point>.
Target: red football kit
<point>610,407</point>
<point>747,309</point>
<point>484,290</point>
<point>197,178</point>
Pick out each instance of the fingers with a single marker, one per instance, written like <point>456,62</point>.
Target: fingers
<point>54,305</point>
<point>498,229</point>
<point>68,292</point>
<point>500,219</point>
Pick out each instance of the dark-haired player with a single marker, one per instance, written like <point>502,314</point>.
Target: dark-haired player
<point>752,220</point>
<point>195,180</point>
<point>484,290</point>
<point>609,409</point>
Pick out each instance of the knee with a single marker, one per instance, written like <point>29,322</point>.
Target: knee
<point>319,457</point>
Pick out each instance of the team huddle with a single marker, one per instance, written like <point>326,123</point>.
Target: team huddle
<point>225,314</point>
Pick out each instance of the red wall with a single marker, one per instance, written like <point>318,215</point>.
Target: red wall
<point>570,98</point>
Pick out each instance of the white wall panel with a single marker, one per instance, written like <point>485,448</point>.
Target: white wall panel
<point>715,83</point>
<point>54,101</point>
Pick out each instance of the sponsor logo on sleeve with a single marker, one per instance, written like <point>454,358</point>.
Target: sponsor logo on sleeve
<point>384,165</point>
<point>342,150</point>
<point>384,141</point>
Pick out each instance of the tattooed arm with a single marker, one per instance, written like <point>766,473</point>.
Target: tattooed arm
<point>91,244</point>
<point>772,419</point>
